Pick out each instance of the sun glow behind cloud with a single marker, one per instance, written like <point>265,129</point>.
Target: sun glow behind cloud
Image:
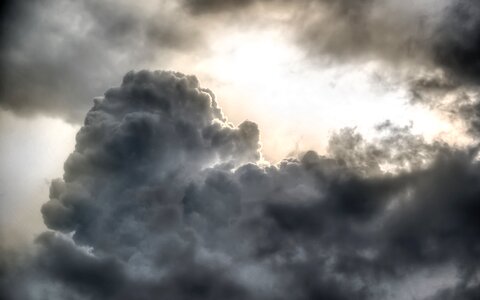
<point>260,75</point>
<point>44,144</point>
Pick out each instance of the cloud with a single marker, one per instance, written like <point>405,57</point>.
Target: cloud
<point>414,42</point>
<point>215,6</point>
<point>163,197</point>
<point>55,56</point>
<point>344,31</point>
<point>456,46</point>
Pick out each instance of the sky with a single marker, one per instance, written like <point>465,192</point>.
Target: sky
<point>255,149</point>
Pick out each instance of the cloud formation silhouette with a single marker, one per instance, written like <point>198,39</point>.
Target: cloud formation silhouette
<point>162,197</point>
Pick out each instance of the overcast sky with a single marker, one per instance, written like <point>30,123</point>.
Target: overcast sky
<point>255,149</point>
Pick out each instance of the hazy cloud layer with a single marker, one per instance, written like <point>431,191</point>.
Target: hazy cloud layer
<point>414,41</point>
<point>395,31</point>
<point>163,198</point>
<point>55,55</point>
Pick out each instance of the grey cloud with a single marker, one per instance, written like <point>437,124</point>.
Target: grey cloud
<point>458,293</point>
<point>394,148</point>
<point>163,197</point>
<point>361,31</point>
<point>454,100</point>
<point>429,90</point>
<point>56,55</point>
<point>456,45</point>
<point>454,50</point>
<point>215,6</point>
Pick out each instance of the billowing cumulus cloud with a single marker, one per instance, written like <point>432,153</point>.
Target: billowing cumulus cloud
<point>163,198</point>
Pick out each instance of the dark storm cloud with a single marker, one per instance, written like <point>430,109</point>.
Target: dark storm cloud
<point>55,55</point>
<point>457,42</point>
<point>164,198</point>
